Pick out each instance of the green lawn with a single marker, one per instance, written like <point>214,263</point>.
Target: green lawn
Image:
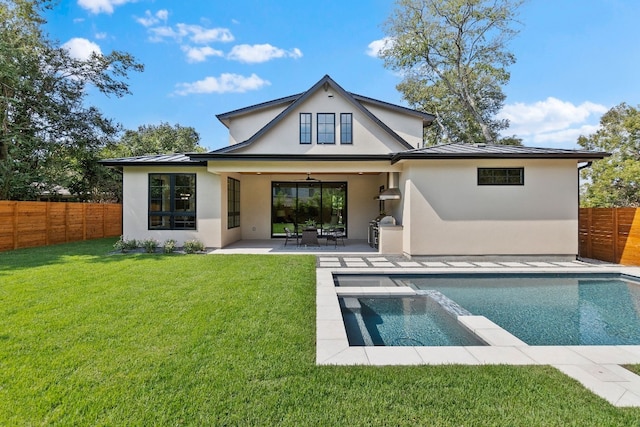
<point>89,338</point>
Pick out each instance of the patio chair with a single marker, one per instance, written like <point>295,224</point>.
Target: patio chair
<point>291,235</point>
<point>335,234</point>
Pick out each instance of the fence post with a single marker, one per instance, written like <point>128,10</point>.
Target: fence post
<point>614,234</point>
<point>589,233</point>
<point>47,222</point>
<point>15,225</point>
<point>84,221</point>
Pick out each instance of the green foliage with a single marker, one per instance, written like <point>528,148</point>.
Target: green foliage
<point>454,60</point>
<point>88,338</point>
<point>614,181</point>
<point>152,139</point>
<point>125,245</point>
<point>150,245</point>
<point>193,246</point>
<point>169,246</point>
<point>48,136</point>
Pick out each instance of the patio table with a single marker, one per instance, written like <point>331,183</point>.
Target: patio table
<point>309,237</point>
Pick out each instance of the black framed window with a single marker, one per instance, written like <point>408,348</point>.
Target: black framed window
<point>233,203</point>
<point>294,204</point>
<point>305,128</point>
<point>172,201</point>
<point>326,128</point>
<point>346,128</point>
<point>500,176</point>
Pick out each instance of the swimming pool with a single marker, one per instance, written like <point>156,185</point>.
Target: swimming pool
<point>539,309</point>
<point>402,321</point>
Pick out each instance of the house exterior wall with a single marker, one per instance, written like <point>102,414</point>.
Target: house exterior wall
<point>135,206</point>
<point>408,127</point>
<point>445,212</point>
<point>243,127</point>
<point>368,137</point>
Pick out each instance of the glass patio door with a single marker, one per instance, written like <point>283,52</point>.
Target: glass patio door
<point>316,204</point>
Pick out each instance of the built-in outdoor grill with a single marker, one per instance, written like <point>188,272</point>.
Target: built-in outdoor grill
<point>374,228</point>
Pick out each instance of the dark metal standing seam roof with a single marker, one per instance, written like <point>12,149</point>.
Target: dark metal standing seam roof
<point>495,151</point>
<point>445,151</point>
<point>179,159</point>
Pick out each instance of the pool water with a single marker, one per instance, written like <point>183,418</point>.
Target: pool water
<point>402,321</point>
<point>558,309</point>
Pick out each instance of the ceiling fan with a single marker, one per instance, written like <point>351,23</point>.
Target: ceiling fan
<point>308,178</point>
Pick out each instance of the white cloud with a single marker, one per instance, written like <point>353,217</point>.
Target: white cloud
<point>98,6</point>
<point>150,19</point>
<point>80,48</point>
<point>195,33</point>
<point>257,53</point>
<point>101,36</point>
<point>224,84</point>
<point>552,121</point>
<point>198,34</point>
<point>200,54</point>
<point>374,48</point>
<point>162,14</point>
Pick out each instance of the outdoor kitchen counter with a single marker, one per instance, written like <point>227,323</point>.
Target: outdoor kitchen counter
<point>390,239</point>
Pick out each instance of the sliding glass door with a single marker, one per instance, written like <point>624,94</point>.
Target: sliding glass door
<point>296,205</point>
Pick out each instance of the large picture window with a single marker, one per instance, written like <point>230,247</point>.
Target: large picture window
<point>172,201</point>
<point>233,203</point>
<point>346,128</point>
<point>500,176</point>
<point>326,128</point>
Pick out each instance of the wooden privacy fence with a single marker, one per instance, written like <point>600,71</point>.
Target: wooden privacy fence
<point>28,224</point>
<point>610,234</point>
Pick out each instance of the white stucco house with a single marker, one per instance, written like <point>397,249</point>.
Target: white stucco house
<point>324,155</point>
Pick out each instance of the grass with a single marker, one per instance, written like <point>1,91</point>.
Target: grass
<point>92,338</point>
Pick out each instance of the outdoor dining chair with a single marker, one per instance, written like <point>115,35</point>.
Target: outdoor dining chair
<point>291,235</point>
<point>335,234</point>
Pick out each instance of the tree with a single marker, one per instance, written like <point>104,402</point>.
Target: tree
<point>614,181</point>
<point>148,139</point>
<point>47,133</point>
<point>156,139</point>
<point>453,56</point>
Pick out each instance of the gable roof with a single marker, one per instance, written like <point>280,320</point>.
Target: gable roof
<point>296,100</point>
<point>495,151</point>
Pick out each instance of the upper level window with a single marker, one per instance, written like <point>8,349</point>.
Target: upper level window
<point>172,201</point>
<point>346,128</point>
<point>305,128</point>
<point>326,128</point>
<point>500,176</point>
<point>233,203</point>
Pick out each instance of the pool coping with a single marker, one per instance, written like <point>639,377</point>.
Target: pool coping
<point>596,367</point>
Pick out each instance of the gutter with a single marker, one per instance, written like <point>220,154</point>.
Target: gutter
<point>588,165</point>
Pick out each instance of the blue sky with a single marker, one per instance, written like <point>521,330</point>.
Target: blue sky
<point>575,58</point>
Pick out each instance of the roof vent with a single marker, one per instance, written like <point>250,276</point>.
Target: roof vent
<point>480,144</point>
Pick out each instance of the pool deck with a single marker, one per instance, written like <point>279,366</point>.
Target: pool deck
<point>598,368</point>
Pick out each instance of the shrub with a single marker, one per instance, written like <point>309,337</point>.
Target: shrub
<point>193,246</point>
<point>169,246</point>
<point>150,245</point>
<point>124,245</point>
